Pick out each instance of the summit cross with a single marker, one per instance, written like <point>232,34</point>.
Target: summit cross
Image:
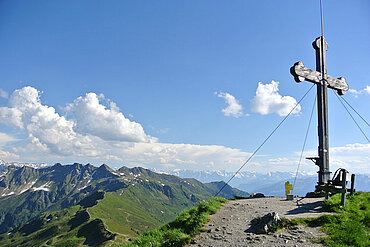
<point>323,81</point>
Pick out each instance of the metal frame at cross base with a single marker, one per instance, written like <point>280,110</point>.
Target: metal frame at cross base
<point>323,81</point>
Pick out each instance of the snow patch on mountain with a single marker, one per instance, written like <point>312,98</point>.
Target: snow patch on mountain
<point>28,186</point>
<point>43,187</point>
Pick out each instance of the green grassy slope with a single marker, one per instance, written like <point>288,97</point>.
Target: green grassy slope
<point>181,230</point>
<point>145,206</point>
<point>122,216</point>
<point>68,227</point>
<point>42,231</point>
<point>350,227</point>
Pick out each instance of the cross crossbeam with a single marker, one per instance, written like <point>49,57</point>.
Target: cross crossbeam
<point>301,73</point>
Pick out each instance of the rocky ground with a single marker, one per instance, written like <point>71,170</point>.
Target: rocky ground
<point>231,225</point>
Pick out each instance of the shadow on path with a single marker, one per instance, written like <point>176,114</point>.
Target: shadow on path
<point>313,207</point>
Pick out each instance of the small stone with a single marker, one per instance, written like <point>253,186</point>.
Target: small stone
<point>217,237</point>
<point>218,229</point>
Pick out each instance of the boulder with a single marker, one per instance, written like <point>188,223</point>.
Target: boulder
<point>257,195</point>
<point>266,223</point>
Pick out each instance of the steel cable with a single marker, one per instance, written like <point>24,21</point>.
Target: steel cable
<point>355,111</point>
<point>304,143</point>
<point>268,137</point>
<point>352,118</point>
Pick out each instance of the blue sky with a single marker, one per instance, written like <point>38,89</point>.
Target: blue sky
<point>173,84</point>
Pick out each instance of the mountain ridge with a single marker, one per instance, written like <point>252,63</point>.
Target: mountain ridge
<point>26,192</point>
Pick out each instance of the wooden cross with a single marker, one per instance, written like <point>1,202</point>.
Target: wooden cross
<point>323,81</point>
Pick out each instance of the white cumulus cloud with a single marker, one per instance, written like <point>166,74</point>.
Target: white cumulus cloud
<point>356,93</point>
<point>43,125</point>
<point>234,108</point>
<point>93,118</point>
<point>268,100</point>
<point>50,132</point>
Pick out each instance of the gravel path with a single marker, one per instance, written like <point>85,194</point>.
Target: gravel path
<point>230,226</point>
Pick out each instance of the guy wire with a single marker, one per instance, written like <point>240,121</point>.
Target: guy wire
<point>263,143</point>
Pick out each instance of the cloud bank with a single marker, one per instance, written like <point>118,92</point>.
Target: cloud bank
<point>94,129</point>
<point>268,100</point>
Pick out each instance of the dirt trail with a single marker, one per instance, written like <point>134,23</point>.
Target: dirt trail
<point>230,226</point>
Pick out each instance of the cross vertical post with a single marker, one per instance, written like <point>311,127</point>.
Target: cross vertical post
<point>322,161</point>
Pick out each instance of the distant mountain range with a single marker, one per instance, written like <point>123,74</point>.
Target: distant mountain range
<point>271,183</point>
<point>134,200</point>
<point>4,164</point>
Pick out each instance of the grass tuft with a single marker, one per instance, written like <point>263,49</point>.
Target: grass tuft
<point>350,227</point>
